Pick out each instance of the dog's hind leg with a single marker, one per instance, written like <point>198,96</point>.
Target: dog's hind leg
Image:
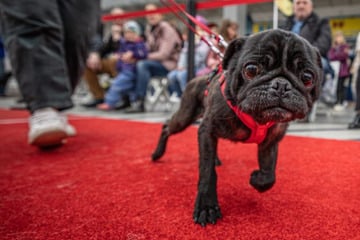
<point>190,109</point>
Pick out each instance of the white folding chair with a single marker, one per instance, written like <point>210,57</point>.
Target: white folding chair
<point>157,92</point>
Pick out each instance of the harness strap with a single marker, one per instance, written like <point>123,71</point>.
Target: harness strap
<point>258,131</point>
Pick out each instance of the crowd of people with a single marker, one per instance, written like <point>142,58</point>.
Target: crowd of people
<point>131,55</point>
<point>159,49</point>
<point>332,47</point>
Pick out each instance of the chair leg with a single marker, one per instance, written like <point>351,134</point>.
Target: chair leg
<point>159,94</point>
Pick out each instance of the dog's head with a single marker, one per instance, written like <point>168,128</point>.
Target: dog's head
<point>273,75</point>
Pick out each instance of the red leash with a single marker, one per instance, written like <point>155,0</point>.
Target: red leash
<point>217,37</point>
<point>174,7</point>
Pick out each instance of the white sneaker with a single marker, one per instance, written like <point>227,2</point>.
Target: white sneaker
<point>339,107</point>
<point>174,98</point>
<point>49,128</point>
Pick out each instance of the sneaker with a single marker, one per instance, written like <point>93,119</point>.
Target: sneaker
<point>125,103</point>
<point>174,98</point>
<point>93,103</point>
<point>136,107</point>
<point>49,128</point>
<point>339,107</point>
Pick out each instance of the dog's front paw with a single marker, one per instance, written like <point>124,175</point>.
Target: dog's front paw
<point>206,215</point>
<point>262,181</point>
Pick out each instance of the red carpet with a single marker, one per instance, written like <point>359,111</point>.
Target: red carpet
<point>102,185</point>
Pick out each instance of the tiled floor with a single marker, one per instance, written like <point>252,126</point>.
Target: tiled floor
<point>328,123</point>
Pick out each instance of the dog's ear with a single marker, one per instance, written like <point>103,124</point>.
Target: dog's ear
<point>233,48</point>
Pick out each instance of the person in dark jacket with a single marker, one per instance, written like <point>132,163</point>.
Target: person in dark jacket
<point>132,48</point>
<point>102,60</point>
<point>310,26</point>
<point>48,42</point>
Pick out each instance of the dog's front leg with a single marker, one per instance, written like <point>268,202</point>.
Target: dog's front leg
<point>264,178</point>
<point>207,208</point>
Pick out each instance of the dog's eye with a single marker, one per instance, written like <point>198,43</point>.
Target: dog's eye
<point>307,78</point>
<point>251,70</point>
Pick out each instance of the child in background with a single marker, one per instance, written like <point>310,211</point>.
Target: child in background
<point>132,48</point>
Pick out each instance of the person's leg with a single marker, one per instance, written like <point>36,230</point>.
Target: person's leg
<point>355,124</point>
<point>92,81</point>
<point>34,37</point>
<point>172,82</point>
<point>108,66</point>
<point>81,19</point>
<point>2,77</point>
<point>357,87</point>
<point>182,76</point>
<point>145,69</point>
<point>124,83</point>
<point>340,91</point>
<point>35,42</point>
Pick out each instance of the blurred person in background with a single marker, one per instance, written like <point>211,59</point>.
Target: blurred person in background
<point>228,30</point>
<point>212,60</point>
<point>164,44</point>
<point>103,60</point>
<point>131,50</point>
<point>306,23</point>
<point>355,70</point>
<point>178,77</point>
<point>48,42</point>
<point>340,52</point>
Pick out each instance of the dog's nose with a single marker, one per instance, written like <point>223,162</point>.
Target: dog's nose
<point>281,86</point>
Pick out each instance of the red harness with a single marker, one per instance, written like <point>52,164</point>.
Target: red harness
<point>258,131</point>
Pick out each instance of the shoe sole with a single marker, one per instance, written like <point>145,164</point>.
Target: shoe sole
<point>50,138</point>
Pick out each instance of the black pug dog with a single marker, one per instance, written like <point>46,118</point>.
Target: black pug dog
<point>268,79</point>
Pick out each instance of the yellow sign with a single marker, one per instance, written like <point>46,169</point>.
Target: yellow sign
<point>349,26</point>
<point>285,6</point>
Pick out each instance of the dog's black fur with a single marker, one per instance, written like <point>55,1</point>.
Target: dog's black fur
<point>274,76</point>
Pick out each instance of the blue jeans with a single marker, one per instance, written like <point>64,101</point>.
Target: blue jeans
<point>124,83</point>
<point>177,81</point>
<point>327,67</point>
<point>146,69</point>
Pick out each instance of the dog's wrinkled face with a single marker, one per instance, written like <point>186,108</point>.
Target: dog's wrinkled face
<point>273,75</point>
